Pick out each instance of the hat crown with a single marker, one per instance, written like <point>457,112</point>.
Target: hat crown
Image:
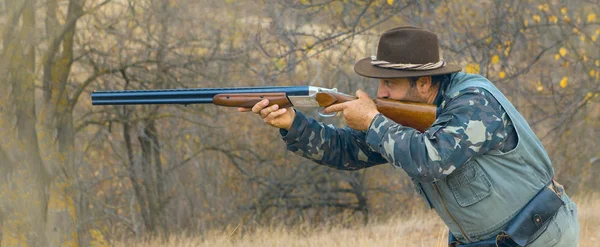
<point>405,52</point>
<point>408,45</point>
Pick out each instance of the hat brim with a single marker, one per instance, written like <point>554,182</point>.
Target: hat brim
<point>366,69</point>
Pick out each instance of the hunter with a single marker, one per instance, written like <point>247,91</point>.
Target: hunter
<point>479,166</point>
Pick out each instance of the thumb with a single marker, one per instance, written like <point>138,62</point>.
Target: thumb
<point>362,95</point>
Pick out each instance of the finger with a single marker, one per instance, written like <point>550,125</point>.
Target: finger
<point>244,109</point>
<point>335,108</point>
<point>270,119</point>
<point>260,105</point>
<point>266,111</point>
<point>361,94</point>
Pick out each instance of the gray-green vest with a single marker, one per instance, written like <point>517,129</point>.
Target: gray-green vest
<point>479,198</point>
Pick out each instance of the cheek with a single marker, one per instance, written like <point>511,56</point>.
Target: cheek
<point>399,93</point>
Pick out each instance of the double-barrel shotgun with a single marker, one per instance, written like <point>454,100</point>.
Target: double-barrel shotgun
<point>416,115</point>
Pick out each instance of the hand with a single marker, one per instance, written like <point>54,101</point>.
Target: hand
<point>272,115</point>
<point>358,113</point>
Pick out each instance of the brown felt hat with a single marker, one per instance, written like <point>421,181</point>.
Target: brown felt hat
<point>406,48</point>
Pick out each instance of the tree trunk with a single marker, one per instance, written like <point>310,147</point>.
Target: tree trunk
<point>152,171</point>
<point>25,183</point>
<point>37,206</point>
<point>57,127</point>
<point>134,177</point>
<point>148,184</point>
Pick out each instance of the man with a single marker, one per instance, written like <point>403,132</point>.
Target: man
<point>479,165</point>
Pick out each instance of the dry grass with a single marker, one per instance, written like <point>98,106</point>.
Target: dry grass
<point>589,220</point>
<point>421,229</point>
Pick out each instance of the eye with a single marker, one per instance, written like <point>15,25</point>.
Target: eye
<point>388,83</point>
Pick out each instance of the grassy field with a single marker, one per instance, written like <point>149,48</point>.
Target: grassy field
<point>420,229</point>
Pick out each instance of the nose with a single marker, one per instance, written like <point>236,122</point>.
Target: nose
<point>382,92</point>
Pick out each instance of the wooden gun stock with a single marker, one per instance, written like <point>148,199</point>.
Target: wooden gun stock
<point>419,116</point>
<point>416,115</point>
<point>248,100</point>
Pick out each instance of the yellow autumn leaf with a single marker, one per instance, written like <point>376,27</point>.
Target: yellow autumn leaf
<point>472,68</point>
<point>280,64</point>
<point>597,63</point>
<point>536,18</point>
<point>588,96</point>
<point>563,10</point>
<point>591,18</point>
<point>539,86</point>
<point>390,2</point>
<point>556,56</point>
<point>495,59</point>
<point>97,238</point>
<point>488,40</point>
<point>596,95</point>
<point>566,19</point>
<point>502,74</point>
<point>564,82</point>
<point>592,73</point>
<point>506,51</point>
<point>562,51</point>
<point>309,45</point>
<point>525,23</point>
<point>582,37</point>
<point>442,10</point>
<point>553,19</point>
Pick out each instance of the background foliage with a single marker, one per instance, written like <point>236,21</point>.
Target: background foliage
<point>76,174</point>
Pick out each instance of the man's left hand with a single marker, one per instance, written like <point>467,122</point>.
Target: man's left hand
<point>358,113</point>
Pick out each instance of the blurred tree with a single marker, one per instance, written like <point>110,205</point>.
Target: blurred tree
<point>38,205</point>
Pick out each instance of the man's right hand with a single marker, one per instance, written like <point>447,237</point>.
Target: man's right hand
<point>279,118</point>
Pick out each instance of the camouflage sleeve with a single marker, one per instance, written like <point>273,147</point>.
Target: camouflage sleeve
<point>472,123</point>
<point>343,149</point>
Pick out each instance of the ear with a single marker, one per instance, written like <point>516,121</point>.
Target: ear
<point>424,84</point>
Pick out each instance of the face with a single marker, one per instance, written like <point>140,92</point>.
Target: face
<point>399,89</point>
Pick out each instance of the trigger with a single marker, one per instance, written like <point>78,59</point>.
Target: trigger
<point>322,114</point>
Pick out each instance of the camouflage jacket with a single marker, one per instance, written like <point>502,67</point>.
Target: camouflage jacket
<point>475,124</point>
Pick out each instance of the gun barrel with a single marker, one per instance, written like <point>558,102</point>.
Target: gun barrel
<point>184,96</point>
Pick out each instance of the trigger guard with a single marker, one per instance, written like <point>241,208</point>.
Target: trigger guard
<point>320,111</point>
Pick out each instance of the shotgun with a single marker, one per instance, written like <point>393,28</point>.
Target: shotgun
<point>416,115</point>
